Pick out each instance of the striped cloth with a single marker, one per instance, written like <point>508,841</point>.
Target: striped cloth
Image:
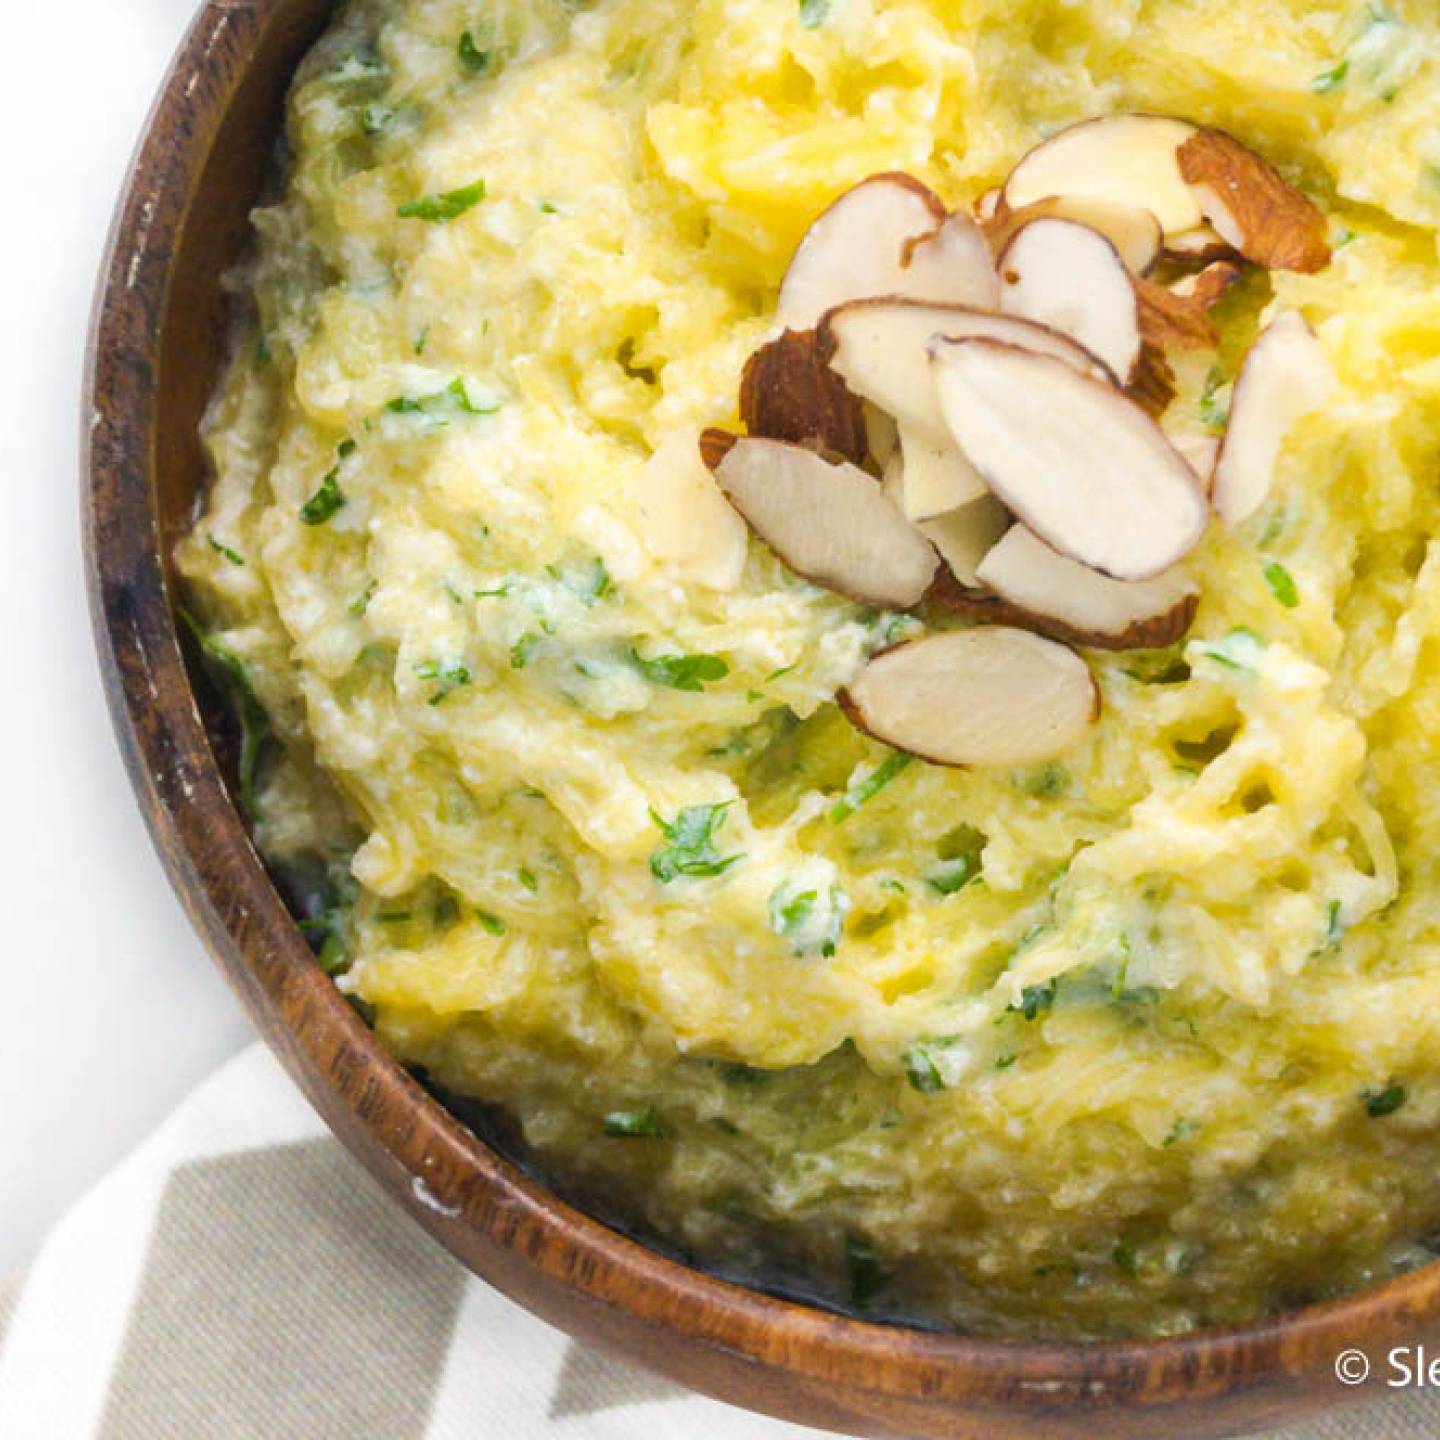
<point>240,1276</point>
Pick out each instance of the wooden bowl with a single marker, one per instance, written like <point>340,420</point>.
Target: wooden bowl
<point>158,342</point>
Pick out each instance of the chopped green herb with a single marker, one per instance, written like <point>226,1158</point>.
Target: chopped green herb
<point>1006,1061</point>
<point>862,791</point>
<point>528,880</point>
<point>1182,1129</point>
<point>448,205</point>
<point>1282,584</point>
<point>450,678</point>
<point>472,58</point>
<point>864,1271</point>
<point>813,13</point>
<point>681,672</point>
<point>1122,969</point>
<point>690,844</point>
<point>345,448</point>
<point>1035,1000</point>
<point>777,674</point>
<point>492,923</point>
<point>1214,412</point>
<point>445,911</point>
<point>361,603</point>
<point>1332,79</point>
<point>233,556</point>
<point>324,503</point>
<point>523,649</point>
<point>393,917</point>
<point>421,340</point>
<point>546,208</point>
<point>1334,928</point>
<point>1239,650</point>
<point>633,1124</point>
<point>592,582</point>
<point>737,1074</point>
<point>893,886</point>
<point>1379,1103</point>
<point>812,920</point>
<point>1343,236</point>
<point>333,956</point>
<point>1125,1257</point>
<point>921,1069</point>
<point>254,719</point>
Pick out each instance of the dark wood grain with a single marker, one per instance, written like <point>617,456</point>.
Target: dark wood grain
<point>158,340</point>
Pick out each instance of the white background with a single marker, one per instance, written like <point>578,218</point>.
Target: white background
<point>109,1009</point>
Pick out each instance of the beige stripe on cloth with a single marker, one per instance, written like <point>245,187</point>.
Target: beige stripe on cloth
<point>257,1315</point>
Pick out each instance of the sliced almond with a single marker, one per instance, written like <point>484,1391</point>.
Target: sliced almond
<point>965,536</point>
<point>715,444</point>
<point>1135,234</point>
<point>1209,286</point>
<point>1071,278</point>
<point>1247,203</point>
<point>883,435</point>
<point>828,522</point>
<point>788,393</point>
<point>987,204</point>
<point>1170,321</point>
<point>1085,468</point>
<point>935,476</point>
<point>1201,246</point>
<point>1201,450</point>
<point>1152,387</point>
<point>1127,159</point>
<point>878,348</point>
<point>856,248</point>
<point>684,519</point>
<point>992,695</point>
<point>950,266</point>
<point>1065,599</point>
<point>1285,376</point>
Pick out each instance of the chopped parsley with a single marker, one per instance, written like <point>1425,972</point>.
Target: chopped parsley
<point>922,1069</point>
<point>952,875</point>
<point>1182,1129</point>
<point>473,59</point>
<point>1006,1061</point>
<point>1334,928</point>
<point>862,791</point>
<point>523,649</point>
<point>813,13</point>
<point>1282,584</point>
<point>449,678</point>
<point>1035,1000</point>
<point>254,719</point>
<point>1125,1257</point>
<point>326,501</point>
<point>233,556</point>
<point>492,923</point>
<point>361,603</point>
<point>681,672</point>
<point>689,848</point>
<point>1379,1103</point>
<point>1214,411</point>
<point>633,1124</point>
<point>812,919</point>
<point>528,880</point>
<point>453,398</point>
<point>377,119</point>
<point>444,207</point>
<point>1239,650</point>
<point>1330,80</point>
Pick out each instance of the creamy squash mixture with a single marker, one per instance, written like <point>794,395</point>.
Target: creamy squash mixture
<point>1137,1038</point>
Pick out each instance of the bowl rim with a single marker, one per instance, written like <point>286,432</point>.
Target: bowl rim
<point>567,1267</point>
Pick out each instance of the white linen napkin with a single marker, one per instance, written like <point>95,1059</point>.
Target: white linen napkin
<point>239,1276</point>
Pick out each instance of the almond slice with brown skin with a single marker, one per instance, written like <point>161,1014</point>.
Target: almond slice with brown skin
<point>788,393</point>
<point>1209,286</point>
<point>1200,246</point>
<point>1135,234</point>
<point>992,695</point>
<point>1085,468</point>
<point>1071,278</point>
<point>1070,602</point>
<point>1247,203</point>
<point>950,266</point>
<point>828,522</point>
<point>1284,377</point>
<point>878,348</point>
<point>856,248</point>
<point>1127,159</point>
